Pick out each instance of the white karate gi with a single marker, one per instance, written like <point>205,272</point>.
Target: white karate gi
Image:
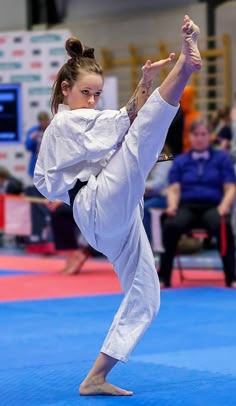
<point>115,158</point>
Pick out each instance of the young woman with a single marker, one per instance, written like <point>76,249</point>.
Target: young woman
<point>98,161</point>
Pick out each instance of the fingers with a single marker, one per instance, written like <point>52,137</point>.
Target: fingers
<point>171,56</point>
<point>164,62</point>
<point>147,65</point>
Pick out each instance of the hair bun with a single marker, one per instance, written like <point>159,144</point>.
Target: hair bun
<point>75,49</point>
<point>88,52</point>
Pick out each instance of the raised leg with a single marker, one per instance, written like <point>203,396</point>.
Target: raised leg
<point>121,184</point>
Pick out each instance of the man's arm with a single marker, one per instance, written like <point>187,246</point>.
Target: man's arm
<point>173,198</point>
<point>227,200</point>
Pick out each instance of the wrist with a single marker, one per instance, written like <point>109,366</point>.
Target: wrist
<point>146,82</point>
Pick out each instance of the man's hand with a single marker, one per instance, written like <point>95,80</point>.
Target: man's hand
<point>35,135</point>
<point>171,211</point>
<point>52,206</point>
<point>223,209</point>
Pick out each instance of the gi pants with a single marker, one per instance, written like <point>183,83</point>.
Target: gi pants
<point>109,215</point>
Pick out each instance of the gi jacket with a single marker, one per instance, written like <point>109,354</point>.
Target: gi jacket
<point>76,145</point>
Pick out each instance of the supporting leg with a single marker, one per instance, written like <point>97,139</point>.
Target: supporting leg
<point>137,273</point>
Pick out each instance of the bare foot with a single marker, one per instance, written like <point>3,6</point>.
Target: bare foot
<point>67,265</point>
<point>102,388</point>
<point>75,262</point>
<point>190,51</point>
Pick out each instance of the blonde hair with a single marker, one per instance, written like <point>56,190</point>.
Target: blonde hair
<point>200,121</point>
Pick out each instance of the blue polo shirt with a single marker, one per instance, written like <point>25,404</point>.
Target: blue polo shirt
<point>32,146</point>
<point>202,180</point>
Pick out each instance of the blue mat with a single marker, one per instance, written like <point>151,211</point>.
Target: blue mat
<point>10,272</point>
<point>187,357</point>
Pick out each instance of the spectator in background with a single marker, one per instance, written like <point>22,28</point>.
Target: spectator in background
<point>34,137</point>
<point>233,128</point>
<point>222,129</point>
<point>187,103</point>
<point>8,183</point>
<point>155,190</point>
<point>41,237</point>
<point>201,193</point>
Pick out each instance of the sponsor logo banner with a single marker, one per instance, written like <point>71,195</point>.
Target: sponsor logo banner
<point>32,59</point>
<point>25,78</point>
<point>10,65</point>
<point>46,38</point>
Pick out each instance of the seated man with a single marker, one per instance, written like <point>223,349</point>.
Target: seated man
<point>201,193</point>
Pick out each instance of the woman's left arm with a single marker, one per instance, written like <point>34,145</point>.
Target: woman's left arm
<point>227,200</point>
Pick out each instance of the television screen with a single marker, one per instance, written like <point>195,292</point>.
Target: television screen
<point>10,113</point>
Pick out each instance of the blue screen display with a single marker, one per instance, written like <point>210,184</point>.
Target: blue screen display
<point>10,113</point>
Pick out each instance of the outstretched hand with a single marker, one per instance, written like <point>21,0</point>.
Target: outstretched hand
<point>151,69</point>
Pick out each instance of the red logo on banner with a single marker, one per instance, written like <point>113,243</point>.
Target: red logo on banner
<point>36,64</point>
<point>53,77</point>
<point>18,52</point>
<point>3,155</point>
<point>20,168</point>
<point>2,40</point>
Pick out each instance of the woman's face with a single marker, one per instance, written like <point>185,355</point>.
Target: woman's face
<point>85,92</point>
<point>200,138</point>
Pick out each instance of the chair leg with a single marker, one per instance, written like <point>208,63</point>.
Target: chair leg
<point>180,268</point>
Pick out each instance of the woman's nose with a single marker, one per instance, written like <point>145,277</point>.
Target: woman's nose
<point>91,99</point>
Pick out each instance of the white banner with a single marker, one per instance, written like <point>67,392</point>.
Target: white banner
<point>33,59</point>
<point>17,216</point>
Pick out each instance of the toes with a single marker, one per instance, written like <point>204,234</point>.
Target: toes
<point>127,393</point>
<point>186,18</point>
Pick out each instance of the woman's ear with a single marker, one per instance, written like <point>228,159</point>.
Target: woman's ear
<point>64,87</point>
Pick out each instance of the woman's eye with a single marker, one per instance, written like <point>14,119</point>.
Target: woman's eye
<point>97,94</point>
<point>86,92</point>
